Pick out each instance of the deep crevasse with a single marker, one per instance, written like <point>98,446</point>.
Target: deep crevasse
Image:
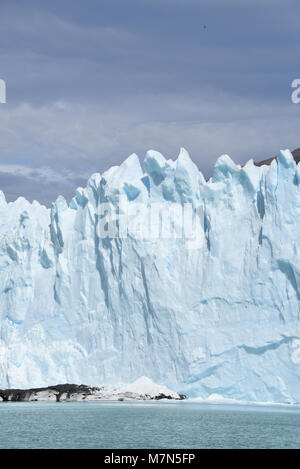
<point>223,318</point>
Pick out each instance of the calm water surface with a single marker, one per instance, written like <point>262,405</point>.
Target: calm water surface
<point>147,425</point>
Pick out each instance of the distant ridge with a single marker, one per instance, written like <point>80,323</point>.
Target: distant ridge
<point>295,153</point>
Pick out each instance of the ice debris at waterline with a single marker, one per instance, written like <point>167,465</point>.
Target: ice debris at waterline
<point>142,389</point>
<point>221,318</point>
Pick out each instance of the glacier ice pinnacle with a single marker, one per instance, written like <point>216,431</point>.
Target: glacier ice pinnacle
<point>222,318</point>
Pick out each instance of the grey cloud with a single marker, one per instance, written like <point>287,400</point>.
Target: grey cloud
<point>15,186</point>
<point>89,84</point>
<point>71,141</point>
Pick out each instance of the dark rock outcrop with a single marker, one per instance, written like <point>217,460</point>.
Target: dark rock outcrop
<point>23,395</point>
<point>295,153</point>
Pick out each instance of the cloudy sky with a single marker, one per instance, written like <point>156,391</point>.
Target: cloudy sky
<point>89,82</point>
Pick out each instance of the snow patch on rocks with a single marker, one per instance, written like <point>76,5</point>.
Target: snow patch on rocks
<point>146,387</point>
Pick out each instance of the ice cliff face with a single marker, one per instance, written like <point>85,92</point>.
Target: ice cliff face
<point>221,318</point>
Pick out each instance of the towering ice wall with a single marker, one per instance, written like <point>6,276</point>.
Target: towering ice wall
<point>219,315</point>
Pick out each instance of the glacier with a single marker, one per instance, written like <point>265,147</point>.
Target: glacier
<point>221,318</point>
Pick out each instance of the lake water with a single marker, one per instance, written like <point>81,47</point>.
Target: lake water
<point>147,425</point>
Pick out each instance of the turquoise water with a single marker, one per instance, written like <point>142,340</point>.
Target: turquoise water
<point>147,425</point>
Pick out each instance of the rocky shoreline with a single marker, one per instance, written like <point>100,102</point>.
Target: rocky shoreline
<point>74,393</point>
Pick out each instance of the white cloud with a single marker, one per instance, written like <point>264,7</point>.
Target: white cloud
<point>42,173</point>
